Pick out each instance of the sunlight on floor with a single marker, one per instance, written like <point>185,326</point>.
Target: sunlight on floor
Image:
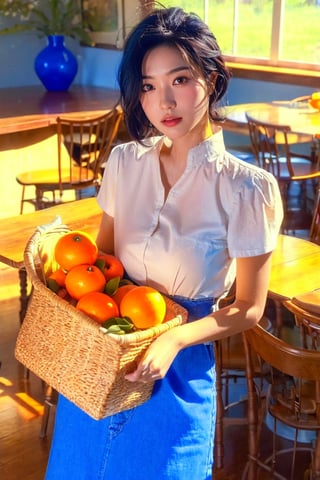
<point>27,408</point>
<point>6,382</point>
<point>30,402</point>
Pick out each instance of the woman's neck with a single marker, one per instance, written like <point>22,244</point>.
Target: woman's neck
<point>174,155</point>
<point>179,148</point>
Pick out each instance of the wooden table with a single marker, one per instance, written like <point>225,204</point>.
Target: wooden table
<point>295,267</point>
<point>303,119</point>
<point>27,108</point>
<point>15,231</point>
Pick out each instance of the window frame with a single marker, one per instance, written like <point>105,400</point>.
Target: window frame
<point>272,69</point>
<point>271,73</point>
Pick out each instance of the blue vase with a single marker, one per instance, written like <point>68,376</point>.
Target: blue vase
<point>55,65</point>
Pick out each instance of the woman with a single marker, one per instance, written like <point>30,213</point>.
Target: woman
<point>187,218</point>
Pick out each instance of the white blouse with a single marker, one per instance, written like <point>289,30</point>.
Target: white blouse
<point>219,209</point>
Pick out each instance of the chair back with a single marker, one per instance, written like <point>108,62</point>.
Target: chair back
<point>83,146</point>
<point>288,359</point>
<point>307,321</point>
<point>293,398</point>
<point>315,224</point>
<point>271,147</point>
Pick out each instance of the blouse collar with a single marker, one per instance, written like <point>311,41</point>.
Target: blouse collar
<point>208,150</point>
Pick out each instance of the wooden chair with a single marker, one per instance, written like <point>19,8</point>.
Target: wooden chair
<point>307,318</point>
<point>230,364</point>
<point>84,145</point>
<point>293,399</point>
<point>274,152</point>
<point>315,223</point>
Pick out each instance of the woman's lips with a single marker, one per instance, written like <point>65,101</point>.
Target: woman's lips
<point>171,122</point>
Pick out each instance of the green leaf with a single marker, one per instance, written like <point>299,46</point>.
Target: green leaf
<point>112,286</point>
<point>108,323</point>
<point>53,285</point>
<point>52,17</point>
<point>118,325</point>
<point>115,329</point>
<point>100,263</point>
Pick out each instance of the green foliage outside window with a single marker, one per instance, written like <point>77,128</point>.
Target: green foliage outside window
<point>251,34</point>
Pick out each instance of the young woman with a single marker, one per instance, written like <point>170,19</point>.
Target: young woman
<point>187,218</point>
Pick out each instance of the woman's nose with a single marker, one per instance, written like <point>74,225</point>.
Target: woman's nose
<point>167,100</point>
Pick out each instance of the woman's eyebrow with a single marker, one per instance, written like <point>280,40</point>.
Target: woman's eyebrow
<point>170,72</point>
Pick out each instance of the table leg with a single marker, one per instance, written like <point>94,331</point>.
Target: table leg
<point>23,293</point>
<point>24,298</point>
<point>314,151</point>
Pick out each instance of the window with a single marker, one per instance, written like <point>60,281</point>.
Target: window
<point>278,33</point>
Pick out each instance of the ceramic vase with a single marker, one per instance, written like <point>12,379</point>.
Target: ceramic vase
<point>56,66</point>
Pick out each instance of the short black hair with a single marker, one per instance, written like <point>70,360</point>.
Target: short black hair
<point>168,26</point>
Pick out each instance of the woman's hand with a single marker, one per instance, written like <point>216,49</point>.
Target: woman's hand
<point>157,359</point>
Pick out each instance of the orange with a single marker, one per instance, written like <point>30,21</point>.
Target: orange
<point>110,266</point>
<point>315,104</point>
<point>84,279</point>
<point>98,306</point>
<point>75,248</point>
<point>145,307</point>
<point>315,100</point>
<point>121,292</point>
<point>56,280</point>
<point>58,276</point>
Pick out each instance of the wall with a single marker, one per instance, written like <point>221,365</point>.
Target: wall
<point>18,52</point>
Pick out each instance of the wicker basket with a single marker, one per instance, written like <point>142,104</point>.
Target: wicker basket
<point>67,349</point>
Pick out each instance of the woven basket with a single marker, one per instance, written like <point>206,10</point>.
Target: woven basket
<point>67,349</point>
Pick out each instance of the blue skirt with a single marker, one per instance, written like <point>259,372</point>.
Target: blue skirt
<point>169,437</point>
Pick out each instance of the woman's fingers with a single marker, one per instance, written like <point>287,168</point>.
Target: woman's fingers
<point>144,373</point>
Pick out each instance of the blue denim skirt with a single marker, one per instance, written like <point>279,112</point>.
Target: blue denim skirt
<point>169,437</point>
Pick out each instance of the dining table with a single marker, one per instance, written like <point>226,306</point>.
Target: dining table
<point>303,120</point>
<point>33,107</point>
<point>295,267</point>
<point>299,116</point>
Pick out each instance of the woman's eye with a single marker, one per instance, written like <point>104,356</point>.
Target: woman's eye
<point>146,87</point>
<point>180,80</point>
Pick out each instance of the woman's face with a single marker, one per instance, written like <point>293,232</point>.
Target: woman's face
<point>172,97</point>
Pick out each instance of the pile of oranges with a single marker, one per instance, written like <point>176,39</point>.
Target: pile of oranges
<point>93,283</point>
